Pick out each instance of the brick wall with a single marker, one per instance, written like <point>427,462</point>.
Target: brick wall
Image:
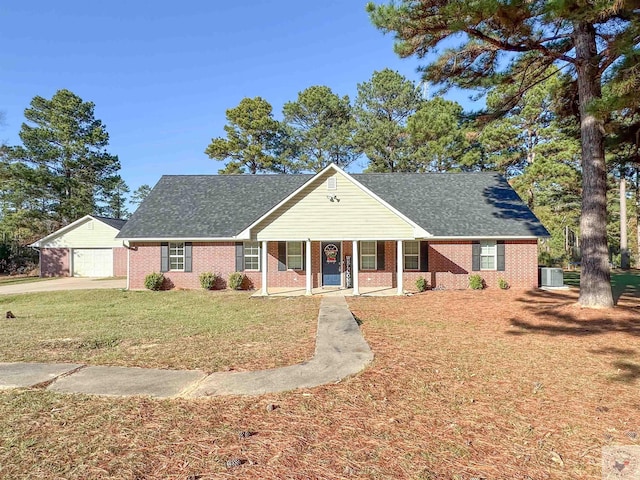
<point>119,262</point>
<point>54,262</point>
<point>449,266</point>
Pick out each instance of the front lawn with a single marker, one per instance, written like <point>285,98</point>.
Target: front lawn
<point>490,384</point>
<point>14,280</point>
<point>625,282</point>
<point>179,329</point>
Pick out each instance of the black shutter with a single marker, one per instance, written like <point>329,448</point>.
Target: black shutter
<point>500,250</point>
<point>424,256</point>
<point>164,257</point>
<point>188,256</point>
<point>239,257</point>
<point>475,260</point>
<point>282,256</point>
<point>304,255</point>
<point>380,252</point>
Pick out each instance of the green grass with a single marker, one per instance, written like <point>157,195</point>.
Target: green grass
<point>622,282</point>
<point>8,280</point>
<point>178,329</point>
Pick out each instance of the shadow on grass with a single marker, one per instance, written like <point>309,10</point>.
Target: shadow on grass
<point>622,282</point>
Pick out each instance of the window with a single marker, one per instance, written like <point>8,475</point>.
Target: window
<point>252,256</point>
<point>488,252</point>
<point>294,255</point>
<point>412,255</point>
<point>368,255</point>
<point>176,256</point>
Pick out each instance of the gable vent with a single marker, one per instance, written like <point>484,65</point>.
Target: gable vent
<point>332,183</point>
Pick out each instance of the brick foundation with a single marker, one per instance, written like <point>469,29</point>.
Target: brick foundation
<point>119,262</point>
<point>449,266</point>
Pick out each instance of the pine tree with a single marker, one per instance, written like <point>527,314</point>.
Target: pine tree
<point>586,37</point>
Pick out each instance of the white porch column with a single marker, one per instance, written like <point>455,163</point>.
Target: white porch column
<point>400,267</point>
<point>355,262</point>
<point>308,267</point>
<point>263,264</point>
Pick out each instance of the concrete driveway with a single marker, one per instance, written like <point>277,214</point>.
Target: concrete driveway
<point>64,283</point>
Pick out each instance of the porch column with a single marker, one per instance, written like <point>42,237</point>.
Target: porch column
<point>263,264</point>
<point>400,268</point>
<point>308,267</point>
<point>355,262</point>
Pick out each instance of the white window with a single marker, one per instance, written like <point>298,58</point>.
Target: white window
<point>412,255</point>
<point>252,255</point>
<point>294,255</point>
<point>488,253</point>
<point>176,256</point>
<point>368,255</point>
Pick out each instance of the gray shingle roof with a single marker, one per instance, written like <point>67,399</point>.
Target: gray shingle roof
<point>208,206</point>
<point>222,206</point>
<point>116,223</point>
<point>456,204</point>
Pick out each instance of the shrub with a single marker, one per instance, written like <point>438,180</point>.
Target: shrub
<point>422,284</point>
<point>503,284</point>
<point>476,282</point>
<point>236,280</point>
<point>154,281</point>
<point>208,280</point>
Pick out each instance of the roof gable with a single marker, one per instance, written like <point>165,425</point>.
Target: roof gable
<point>112,224</point>
<point>455,205</point>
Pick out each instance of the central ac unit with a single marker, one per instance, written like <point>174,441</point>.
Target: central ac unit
<point>551,277</point>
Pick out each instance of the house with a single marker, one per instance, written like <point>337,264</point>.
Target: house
<point>334,229</point>
<point>84,248</point>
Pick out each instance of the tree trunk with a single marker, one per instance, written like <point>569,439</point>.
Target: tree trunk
<point>624,243</point>
<point>595,277</point>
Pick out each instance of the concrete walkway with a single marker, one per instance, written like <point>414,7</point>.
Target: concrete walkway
<point>340,351</point>
<point>63,283</point>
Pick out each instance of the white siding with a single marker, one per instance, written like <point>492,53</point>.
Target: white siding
<point>353,214</point>
<point>89,234</point>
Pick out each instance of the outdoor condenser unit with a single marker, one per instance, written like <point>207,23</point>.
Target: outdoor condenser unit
<point>551,277</point>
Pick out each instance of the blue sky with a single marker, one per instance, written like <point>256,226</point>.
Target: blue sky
<point>162,74</point>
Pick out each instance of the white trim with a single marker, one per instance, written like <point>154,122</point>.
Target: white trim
<point>302,239</point>
<point>355,265</point>
<point>375,256</point>
<point>184,256</point>
<point>301,269</point>
<point>186,239</point>
<point>418,230</point>
<point>71,226</point>
<point>128,267</point>
<point>400,265</point>
<point>308,273</point>
<point>481,237</point>
<point>265,260</point>
<point>494,244</point>
<point>404,255</point>
<point>244,256</point>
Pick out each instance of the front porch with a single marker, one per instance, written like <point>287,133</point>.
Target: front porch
<point>328,292</point>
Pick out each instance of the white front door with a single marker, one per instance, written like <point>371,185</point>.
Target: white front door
<point>92,262</point>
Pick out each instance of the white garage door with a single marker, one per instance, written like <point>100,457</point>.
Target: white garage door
<point>92,262</point>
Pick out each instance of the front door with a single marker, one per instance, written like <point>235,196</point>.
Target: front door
<point>331,260</point>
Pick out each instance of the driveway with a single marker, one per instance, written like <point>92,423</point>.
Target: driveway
<point>64,283</point>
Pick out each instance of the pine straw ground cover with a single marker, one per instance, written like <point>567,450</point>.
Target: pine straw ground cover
<point>490,384</point>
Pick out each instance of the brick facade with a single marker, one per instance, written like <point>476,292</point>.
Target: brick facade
<point>450,264</point>
<point>119,262</point>
<point>54,262</point>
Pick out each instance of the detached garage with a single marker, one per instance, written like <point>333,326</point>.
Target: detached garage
<point>84,248</point>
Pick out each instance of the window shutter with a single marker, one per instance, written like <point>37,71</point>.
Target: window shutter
<point>380,252</point>
<point>304,255</point>
<point>424,256</point>
<point>475,260</point>
<point>164,257</point>
<point>239,257</point>
<point>188,256</point>
<point>282,256</point>
<point>500,252</point>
